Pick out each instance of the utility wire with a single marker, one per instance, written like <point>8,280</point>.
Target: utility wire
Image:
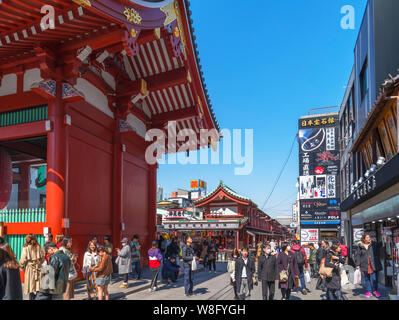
<point>288,198</point>
<point>281,172</point>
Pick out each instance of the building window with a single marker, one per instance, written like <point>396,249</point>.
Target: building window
<point>364,80</point>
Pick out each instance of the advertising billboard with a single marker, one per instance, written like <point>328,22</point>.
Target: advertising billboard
<point>319,162</point>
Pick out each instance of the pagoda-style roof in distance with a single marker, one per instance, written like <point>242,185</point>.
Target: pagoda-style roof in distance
<point>149,46</point>
<point>221,191</point>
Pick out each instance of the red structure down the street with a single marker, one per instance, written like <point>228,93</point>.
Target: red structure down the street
<point>224,203</point>
<point>76,101</point>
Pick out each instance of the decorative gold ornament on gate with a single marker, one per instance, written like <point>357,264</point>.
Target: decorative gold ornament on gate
<point>83,3</point>
<point>132,16</point>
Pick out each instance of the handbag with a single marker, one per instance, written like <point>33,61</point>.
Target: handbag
<point>72,273</point>
<point>307,277</point>
<point>284,273</point>
<point>193,265</point>
<point>325,271</point>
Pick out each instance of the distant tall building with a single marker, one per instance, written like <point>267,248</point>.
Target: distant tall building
<point>159,193</point>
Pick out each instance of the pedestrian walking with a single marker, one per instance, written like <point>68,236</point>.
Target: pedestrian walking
<point>320,255</point>
<point>267,272</point>
<point>10,280</point>
<point>124,262</point>
<point>66,246</point>
<point>333,284</point>
<point>302,262</point>
<point>172,270</point>
<point>136,257</point>
<point>312,260</point>
<point>243,275</point>
<point>30,262</point>
<point>91,258</point>
<point>231,270</point>
<point>212,257</point>
<point>188,257</point>
<point>204,255</point>
<point>54,274</point>
<point>367,259</point>
<point>288,271</point>
<point>155,258</point>
<point>103,273</point>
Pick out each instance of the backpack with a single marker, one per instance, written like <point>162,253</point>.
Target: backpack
<point>299,258</point>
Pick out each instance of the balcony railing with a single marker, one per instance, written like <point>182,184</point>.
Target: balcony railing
<point>23,215</point>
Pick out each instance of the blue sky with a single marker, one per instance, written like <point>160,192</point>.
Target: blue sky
<point>265,65</point>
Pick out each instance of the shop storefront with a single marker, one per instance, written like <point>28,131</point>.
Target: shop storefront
<point>224,233</point>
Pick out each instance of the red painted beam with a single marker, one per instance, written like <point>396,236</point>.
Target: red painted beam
<point>181,114</point>
<point>23,131</point>
<point>25,228</point>
<point>26,148</point>
<point>20,101</point>
<point>154,83</point>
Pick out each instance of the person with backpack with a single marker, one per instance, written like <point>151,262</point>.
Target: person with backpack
<point>155,258</point>
<point>135,256</point>
<point>302,262</point>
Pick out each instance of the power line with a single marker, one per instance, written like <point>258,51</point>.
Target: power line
<point>288,198</point>
<point>281,172</point>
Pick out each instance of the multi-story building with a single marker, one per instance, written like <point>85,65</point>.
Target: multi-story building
<point>369,145</point>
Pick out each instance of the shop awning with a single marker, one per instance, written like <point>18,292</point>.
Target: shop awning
<point>254,232</point>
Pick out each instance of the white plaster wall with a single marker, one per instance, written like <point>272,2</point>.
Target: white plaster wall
<point>137,125</point>
<point>146,109</point>
<point>8,84</point>
<point>109,79</point>
<point>30,77</point>
<point>94,96</point>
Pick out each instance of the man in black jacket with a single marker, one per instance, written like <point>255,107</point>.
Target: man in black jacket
<point>244,271</point>
<point>321,253</point>
<point>267,272</point>
<point>188,257</point>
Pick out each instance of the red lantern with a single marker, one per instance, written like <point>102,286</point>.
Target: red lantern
<point>6,177</point>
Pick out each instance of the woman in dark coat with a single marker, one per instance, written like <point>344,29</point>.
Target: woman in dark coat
<point>286,261</point>
<point>10,280</point>
<point>267,272</point>
<point>333,284</point>
<point>367,259</point>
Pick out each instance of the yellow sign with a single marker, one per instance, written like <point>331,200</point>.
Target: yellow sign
<point>317,122</point>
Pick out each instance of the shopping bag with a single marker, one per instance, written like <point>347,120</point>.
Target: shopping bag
<point>307,276</point>
<point>344,278</point>
<point>194,265</point>
<point>358,277</point>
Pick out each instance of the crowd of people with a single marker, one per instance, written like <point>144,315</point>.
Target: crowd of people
<point>50,271</point>
<point>289,265</point>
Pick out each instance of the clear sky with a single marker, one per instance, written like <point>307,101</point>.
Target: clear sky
<point>266,63</point>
